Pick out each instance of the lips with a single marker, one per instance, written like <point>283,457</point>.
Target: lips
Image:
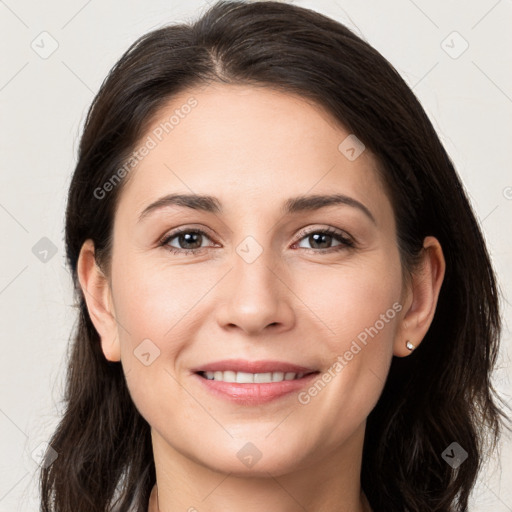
<point>247,383</point>
<point>253,394</point>
<point>243,365</point>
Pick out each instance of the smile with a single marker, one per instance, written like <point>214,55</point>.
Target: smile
<point>251,378</point>
<point>251,389</point>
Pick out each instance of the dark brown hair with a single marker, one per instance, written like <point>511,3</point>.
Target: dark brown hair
<point>439,394</point>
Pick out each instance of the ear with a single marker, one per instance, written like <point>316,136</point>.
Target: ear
<point>98,297</point>
<point>422,293</point>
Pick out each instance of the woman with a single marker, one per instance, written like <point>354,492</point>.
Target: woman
<point>286,302</point>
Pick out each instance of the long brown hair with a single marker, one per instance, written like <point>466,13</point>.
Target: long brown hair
<point>439,394</point>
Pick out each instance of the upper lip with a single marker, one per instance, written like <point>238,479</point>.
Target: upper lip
<point>242,365</point>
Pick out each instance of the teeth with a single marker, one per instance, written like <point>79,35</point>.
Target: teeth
<point>249,378</point>
<point>244,378</point>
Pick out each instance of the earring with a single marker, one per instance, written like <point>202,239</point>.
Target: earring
<point>410,346</point>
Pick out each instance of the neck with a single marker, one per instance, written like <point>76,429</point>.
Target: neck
<point>330,484</point>
<point>154,502</point>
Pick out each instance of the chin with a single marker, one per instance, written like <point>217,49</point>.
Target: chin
<point>254,458</point>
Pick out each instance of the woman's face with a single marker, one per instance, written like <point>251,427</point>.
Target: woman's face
<point>263,285</point>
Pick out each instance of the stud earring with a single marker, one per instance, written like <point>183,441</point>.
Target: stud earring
<point>410,346</point>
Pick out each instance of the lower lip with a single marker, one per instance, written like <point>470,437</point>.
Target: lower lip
<point>254,394</point>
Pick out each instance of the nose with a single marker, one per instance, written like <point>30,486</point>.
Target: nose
<point>256,298</point>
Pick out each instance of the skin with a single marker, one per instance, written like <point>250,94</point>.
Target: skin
<point>253,148</point>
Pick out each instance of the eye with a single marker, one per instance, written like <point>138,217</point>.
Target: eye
<point>188,240</point>
<point>323,238</point>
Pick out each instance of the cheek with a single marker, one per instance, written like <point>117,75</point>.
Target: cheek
<point>152,300</point>
<point>351,298</point>
<point>359,310</point>
<point>153,312</point>
<point>157,309</point>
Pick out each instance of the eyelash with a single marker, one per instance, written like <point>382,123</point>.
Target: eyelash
<point>345,242</point>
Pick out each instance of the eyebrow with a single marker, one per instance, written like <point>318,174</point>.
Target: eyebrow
<point>292,205</point>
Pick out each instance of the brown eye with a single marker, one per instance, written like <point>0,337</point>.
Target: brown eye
<point>324,238</point>
<point>187,241</point>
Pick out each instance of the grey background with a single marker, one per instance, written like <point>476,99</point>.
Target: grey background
<point>44,98</point>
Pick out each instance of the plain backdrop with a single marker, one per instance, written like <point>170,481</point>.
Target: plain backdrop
<point>55,54</point>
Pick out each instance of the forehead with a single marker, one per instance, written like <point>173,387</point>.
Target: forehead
<point>245,143</point>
